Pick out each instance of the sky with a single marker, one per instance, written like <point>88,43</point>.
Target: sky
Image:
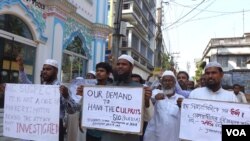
<point>188,26</point>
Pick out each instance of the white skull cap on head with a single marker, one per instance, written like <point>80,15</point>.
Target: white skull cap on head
<point>213,64</point>
<point>51,62</point>
<point>79,78</point>
<point>168,72</point>
<point>127,57</point>
<point>92,72</point>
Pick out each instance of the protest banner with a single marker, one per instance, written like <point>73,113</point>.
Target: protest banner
<point>202,120</point>
<point>116,109</point>
<point>31,112</point>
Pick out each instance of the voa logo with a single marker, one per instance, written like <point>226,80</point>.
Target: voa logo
<point>236,132</point>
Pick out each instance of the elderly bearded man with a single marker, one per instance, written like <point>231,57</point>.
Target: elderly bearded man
<point>165,124</point>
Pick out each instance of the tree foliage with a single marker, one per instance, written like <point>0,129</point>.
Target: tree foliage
<point>199,69</point>
<point>166,61</point>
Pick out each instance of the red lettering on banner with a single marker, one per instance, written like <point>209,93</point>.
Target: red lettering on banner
<point>39,129</point>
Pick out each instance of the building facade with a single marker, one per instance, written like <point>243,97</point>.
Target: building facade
<point>139,40</point>
<point>140,36</point>
<point>73,32</point>
<point>233,54</point>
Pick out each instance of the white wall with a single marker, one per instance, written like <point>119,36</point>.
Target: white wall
<point>85,8</point>
<point>58,46</point>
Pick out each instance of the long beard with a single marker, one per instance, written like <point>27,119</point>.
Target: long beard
<point>168,91</point>
<point>211,85</point>
<point>121,77</point>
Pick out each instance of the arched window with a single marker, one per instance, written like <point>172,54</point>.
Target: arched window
<point>74,61</point>
<point>15,25</point>
<point>15,39</point>
<point>76,46</point>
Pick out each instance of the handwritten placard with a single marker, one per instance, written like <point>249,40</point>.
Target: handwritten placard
<point>117,109</point>
<point>31,112</point>
<point>201,120</point>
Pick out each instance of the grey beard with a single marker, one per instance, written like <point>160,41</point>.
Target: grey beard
<point>168,91</point>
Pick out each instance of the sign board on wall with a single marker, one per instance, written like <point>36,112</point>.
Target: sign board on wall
<point>116,109</point>
<point>31,112</point>
<point>202,120</point>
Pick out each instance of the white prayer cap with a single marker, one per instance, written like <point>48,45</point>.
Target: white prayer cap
<point>51,62</point>
<point>92,72</point>
<point>213,64</point>
<point>79,78</point>
<point>127,57</point>
<point>168,72</point>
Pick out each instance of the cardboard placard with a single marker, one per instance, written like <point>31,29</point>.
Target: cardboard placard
<point>116,109</point>
<point>31,112</point>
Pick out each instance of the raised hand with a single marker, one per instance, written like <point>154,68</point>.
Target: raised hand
<point>64,91</point>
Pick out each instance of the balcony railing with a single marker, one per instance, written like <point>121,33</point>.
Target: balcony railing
<point>139,58</point>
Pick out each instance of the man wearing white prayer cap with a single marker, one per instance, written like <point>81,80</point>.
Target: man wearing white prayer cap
<point>122,77</point>
<point>49,72</point>
<point>213,90</point>
<point>213,64</point>
<point>165,124</point>
<point>127,57</point>
<point>51,62</point>
<point>124,67</point>
<point>91,75</point>
<point>49,77</point>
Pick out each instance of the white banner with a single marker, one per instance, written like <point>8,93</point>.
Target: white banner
<point>117,109</point>
<point>31,112</point>
<point>202,120</point>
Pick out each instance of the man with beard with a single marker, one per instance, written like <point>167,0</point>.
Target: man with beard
<point>49,77</point>
<point>122,76</point>
<point>213,89</point>
<point>165,124</point>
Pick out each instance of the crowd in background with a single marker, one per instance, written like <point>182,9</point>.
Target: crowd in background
<point>164,93</point>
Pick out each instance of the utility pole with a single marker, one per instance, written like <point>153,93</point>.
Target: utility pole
<point>174,55</point>
<point>116,40</point>
<point>188,67</point>
<point>243,12</point>
<point>159,36</point>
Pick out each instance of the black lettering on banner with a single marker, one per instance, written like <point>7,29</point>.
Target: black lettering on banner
<point>235,132</point>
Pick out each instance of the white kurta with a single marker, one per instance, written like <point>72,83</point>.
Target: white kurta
<point>165,124</point>
<point>241,97</point>
<point>207,94</point>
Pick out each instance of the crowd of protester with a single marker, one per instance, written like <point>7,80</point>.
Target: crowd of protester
<point>163,95</point>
